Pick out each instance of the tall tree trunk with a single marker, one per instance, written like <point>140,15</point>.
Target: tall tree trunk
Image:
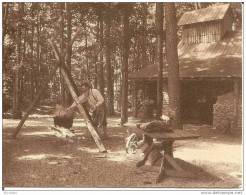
<point>143,37</point>
<point>62,84</point>
<point>86,54</point>
<point>110,90</point>
<point>23,72</point>
<point>32,64</point>
<point>37,76</point>
<point>96,71</point>
<point>17,76</point>
<point>69,47</point>
<point>124,102</point>
<point>159,29</point>
<point>101,72</point>
<point>173,64</point>
<point>95,54</point>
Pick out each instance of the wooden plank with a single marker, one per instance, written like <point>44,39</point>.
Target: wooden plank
<point>175,135</point>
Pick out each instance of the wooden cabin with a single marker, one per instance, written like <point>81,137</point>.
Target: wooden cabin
<point>206,25</point>
<point>210,62</point>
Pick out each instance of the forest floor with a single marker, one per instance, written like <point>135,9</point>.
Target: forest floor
<point>40,159</point>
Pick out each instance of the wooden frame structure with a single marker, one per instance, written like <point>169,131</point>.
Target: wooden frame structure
<point>73,91</point>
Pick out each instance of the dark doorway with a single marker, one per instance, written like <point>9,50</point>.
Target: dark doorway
<point>197,101</point>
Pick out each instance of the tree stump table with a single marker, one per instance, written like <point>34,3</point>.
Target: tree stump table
<point>169,166</point>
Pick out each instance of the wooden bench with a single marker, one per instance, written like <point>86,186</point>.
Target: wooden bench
<point>166,140</point>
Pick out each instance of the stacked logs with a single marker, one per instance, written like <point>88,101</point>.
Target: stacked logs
<point>223,111</point>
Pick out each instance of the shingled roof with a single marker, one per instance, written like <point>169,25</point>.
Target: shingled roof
<point>204,15</point>
<point>221,59</point>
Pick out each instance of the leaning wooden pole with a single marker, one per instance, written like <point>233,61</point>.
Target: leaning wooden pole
<point>70,84</point>
<point>33,104</point>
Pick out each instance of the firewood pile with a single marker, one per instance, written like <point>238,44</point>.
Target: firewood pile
<point>223,111</point>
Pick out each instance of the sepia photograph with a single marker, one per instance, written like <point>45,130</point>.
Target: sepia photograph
<point>122,95</point>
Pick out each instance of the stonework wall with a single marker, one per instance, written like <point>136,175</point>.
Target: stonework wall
<point>223,113</point>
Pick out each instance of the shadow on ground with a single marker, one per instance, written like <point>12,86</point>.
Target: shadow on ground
<point>37,158</point>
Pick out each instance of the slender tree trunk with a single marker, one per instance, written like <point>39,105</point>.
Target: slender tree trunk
<point>135,98</point>
<point>159,29</point>
<point>62,84</point>
<point>33,66</point>
<point>17,76</point>
<point>173,64</point>
<point>135,68</point>
<point>110,90</point>
<point>96,71</point>
<point>22,70</point>
<point>143,37</point>
<point>124,102</point>
<point>86,54</point>
<point>101,71</point>
<point>95,54</point>
<point>69,47</point>
<point>5,31</point>
<point>38,54</point>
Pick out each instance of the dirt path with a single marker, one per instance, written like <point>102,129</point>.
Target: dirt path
<point>40,159</point>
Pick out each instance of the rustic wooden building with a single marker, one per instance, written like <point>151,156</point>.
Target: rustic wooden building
<point>210,57</point>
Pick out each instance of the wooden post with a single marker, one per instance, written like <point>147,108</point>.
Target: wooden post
<point>82,112</point>
<point>235,102</point>
<point>70,85</point>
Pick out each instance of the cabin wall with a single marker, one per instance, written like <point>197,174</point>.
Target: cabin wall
<point>206,32</point>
